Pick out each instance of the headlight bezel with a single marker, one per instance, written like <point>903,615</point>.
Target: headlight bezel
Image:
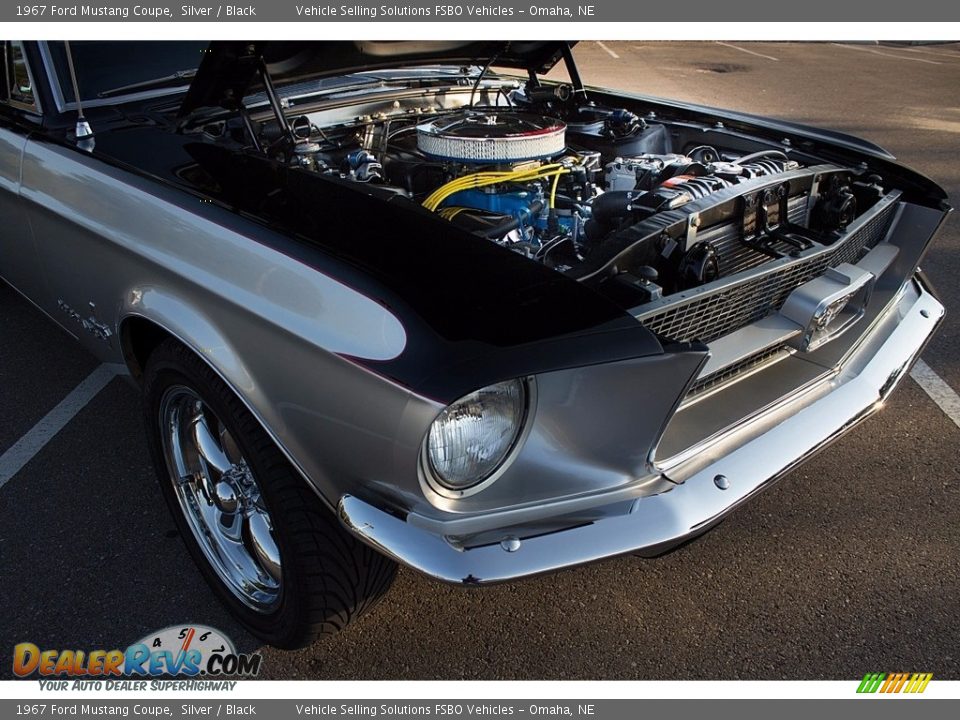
<point>432,480</point>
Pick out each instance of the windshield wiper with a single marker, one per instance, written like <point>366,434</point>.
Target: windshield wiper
<point>150,84</point>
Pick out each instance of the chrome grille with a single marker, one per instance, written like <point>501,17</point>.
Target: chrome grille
<point>724,306</point>
<point>760,358</point>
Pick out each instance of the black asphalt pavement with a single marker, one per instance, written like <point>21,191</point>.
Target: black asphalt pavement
<point>849,565</point>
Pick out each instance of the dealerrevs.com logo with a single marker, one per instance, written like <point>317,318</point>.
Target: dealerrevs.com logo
<point>189,651</point>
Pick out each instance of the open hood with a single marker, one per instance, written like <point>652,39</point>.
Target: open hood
<point>229,68</point>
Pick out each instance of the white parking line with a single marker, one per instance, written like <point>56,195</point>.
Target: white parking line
<point>610,52</point>
<point>953,55</point>
<point>23,451</point>
<point>890,55</point>
<point>749,52</point>
<point>938,390</point>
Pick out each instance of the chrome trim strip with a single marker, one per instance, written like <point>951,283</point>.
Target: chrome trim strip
<point>707,386</point>
<point>52,80</point>
<point>36,108</point>
<point>654,524</point>
<point>770,331</point>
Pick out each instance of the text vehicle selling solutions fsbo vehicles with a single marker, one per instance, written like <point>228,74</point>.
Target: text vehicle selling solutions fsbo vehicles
<point>409,302</point>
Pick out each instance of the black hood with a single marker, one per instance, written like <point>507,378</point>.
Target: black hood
<point>229,68</point>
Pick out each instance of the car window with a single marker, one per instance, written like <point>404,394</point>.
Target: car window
<point>103,66</point>
<point>19,81</point>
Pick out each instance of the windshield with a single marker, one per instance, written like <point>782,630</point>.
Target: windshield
<point>105,65</point>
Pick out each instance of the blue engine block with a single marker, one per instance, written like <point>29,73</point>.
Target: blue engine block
<point>516,203</point>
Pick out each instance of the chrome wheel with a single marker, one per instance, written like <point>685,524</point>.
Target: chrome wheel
<point>220,499</point>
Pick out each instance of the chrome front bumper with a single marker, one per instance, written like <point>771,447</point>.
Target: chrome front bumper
<point>803,425</point>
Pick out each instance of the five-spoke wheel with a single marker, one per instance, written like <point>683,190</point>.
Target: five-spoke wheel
<point>260,534</point>
<point>220,498</point>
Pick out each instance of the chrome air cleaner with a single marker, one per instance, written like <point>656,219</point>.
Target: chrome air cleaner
<point>475,136</point>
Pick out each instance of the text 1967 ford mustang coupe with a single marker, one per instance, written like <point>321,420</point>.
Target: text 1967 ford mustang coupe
<point>409,302</point>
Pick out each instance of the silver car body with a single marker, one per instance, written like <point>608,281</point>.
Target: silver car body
<point>615,458</point>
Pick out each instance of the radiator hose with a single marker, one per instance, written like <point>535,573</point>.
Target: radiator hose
<point>608,209</point>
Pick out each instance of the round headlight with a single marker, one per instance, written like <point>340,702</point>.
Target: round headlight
<point>471,438</point>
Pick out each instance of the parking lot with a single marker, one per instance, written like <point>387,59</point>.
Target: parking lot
<point>849,565</point>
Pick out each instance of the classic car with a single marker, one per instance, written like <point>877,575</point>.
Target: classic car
<point>411,302</point>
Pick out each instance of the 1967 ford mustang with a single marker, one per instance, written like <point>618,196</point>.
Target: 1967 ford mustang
<point>410,302</point>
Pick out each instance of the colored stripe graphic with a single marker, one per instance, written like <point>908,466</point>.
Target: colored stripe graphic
<point>901,679</point>
<point>894,683</point>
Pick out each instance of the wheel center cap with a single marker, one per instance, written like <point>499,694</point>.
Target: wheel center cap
<point>232,491</point>
<point>225,497</point>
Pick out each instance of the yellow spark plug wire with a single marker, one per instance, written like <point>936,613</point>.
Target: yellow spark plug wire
<point>497,177</point>
<point>553,191</point>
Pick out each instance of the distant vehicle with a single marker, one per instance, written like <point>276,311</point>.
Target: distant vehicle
<point>387,305</point>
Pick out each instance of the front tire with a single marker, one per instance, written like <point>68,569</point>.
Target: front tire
<point>272,552</point>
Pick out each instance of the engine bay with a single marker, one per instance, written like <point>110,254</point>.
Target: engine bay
<point>638,206</point>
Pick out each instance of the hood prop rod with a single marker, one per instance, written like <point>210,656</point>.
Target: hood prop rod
<point>275,102</point>
<point>572,69</point>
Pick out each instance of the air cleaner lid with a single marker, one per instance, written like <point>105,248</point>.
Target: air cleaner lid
<point>483,136</point>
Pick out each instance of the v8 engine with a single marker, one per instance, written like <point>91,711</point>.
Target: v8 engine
<point>640,207</point>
